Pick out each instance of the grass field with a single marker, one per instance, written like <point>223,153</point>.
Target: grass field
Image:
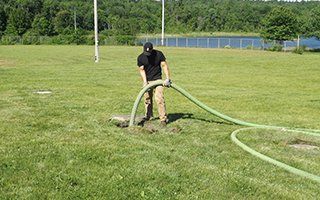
<point>62,145</point>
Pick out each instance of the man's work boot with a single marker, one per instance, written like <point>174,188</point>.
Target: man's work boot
<point>163,123</point>
<point>145,118</point>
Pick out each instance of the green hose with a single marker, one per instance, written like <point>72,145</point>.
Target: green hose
<point>271,160</point>
<point>234,134</point>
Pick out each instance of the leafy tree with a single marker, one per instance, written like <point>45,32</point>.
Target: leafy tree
<point>19,22</point>
<point>3,21</point>
<point>62,21</point>
<point>42,26</point>
<point>314,25</point>
<point>126,26</point>
<point>50,9</point>
<point>280,24</point>
<point>129,17</point>
<point>77,37</point>
<point>103,19</point>
<point>32,6</point>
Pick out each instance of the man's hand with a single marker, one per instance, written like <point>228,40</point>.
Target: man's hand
<point>167,83</point>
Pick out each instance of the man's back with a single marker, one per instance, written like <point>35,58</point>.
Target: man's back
<point>152,64</point>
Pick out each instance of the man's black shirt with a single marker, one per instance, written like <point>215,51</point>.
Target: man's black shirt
<point>152,64</point>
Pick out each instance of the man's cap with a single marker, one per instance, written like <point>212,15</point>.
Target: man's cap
<point>147,48</point>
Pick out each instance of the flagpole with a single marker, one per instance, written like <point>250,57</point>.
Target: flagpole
<point>162,34</point>
<point>96,39</point>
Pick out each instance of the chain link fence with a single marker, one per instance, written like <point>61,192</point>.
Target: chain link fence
<point>195,42</point>
<point>231,42</point>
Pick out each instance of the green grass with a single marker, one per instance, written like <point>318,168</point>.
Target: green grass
<point>62,146</point>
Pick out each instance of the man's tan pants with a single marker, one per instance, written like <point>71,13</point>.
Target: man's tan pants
<point>148,102</point>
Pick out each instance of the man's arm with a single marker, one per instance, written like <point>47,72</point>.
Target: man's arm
<point>143,75</point>
<point>167,82</point>
<point>165,68</point>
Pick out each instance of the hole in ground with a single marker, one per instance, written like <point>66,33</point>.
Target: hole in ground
<point>122,120</point>
<point>152,126</point>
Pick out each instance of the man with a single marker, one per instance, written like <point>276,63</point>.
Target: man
<point>151,63</point>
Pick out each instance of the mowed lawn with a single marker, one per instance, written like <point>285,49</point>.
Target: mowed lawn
<point>62,145</point>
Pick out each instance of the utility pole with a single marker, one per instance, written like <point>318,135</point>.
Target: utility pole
<point>96,55</point>
<point>75,19</point>
<point>162,35</point>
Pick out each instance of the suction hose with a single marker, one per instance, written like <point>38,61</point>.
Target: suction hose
<point>234,134</point>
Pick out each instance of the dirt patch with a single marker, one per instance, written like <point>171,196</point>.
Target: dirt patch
<point>149,127</point>
<point>303,144</point>
<point>154,126</point>
<point>175,129</point>
<point>6,63</point>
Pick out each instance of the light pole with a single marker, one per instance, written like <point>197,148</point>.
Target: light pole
<point>75,19</point>
<point>162,34</point>
<point>96,47</point>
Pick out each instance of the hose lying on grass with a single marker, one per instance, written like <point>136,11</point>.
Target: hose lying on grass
<point>234,134</point>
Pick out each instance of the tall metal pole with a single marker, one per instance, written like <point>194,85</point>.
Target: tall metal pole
<point>75,19</point>
<point>96,55</point>
<point>162,35</point>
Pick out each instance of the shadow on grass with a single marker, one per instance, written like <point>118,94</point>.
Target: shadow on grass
<point>314,50</point>
<point>176,116</point>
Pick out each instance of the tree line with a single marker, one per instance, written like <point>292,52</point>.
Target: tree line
<point>73,19</point>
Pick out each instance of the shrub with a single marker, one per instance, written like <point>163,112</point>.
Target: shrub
<point>276,47</point>
<point>30,37</point>
<point>250,47</point>
<point>77,37</point>
<point>89,39</point>
<point>299,50</point>
<point>10,40</point>
<point>60,39</point>
<point>125,39</point>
